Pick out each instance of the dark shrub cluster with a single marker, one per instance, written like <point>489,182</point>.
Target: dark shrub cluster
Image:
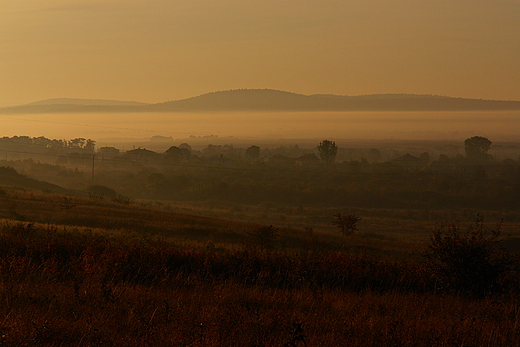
<point>470,260</point>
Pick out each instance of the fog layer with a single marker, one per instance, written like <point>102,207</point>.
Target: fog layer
<point>257,125</point>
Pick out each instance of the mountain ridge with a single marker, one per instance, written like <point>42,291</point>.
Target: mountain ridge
<point>270,100</point>
<point>78,101</point>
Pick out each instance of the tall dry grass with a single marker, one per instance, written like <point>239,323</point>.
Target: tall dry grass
<point>63,287</point>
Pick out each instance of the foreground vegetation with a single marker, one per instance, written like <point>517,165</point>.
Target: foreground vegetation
<point>83,272</point>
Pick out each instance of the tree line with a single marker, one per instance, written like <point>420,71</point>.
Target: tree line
<point>42,143</point>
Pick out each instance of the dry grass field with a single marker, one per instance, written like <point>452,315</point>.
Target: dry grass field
<point>86,272</point>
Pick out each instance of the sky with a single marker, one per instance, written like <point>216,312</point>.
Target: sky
<point>160,50</point>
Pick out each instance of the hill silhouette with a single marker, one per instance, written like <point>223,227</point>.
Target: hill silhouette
<point>271,100</point>
<point>73,101</point>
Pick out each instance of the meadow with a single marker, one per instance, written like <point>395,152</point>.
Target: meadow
<point>79,271</point>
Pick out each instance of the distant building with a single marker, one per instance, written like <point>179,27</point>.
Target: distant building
<point>409,162</point>
<point>108,152</point>
<point>142,154</point>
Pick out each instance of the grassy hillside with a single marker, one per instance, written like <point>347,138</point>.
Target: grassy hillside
<point>121,217</point>
<point>85,272</point>
<point>76,271</point>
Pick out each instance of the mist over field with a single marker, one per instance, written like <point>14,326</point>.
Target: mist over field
<point>107,128</point>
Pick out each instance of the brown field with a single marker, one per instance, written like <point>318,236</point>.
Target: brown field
<point>84,272</point>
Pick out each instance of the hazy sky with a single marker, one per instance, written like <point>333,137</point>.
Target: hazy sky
<point>159,50</point>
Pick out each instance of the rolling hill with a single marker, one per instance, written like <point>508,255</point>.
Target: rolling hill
<point>271,100</point>
<point>72,101</point>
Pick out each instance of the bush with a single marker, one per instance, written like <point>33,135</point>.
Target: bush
<point>467,261</point>
<point>263,237</point>
<point>122,199</point>
<point>101,192</point>
<point>346,223</point>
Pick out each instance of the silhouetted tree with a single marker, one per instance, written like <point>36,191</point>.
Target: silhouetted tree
<point>58,144</point>
<point>328,150</point>
<point>374,155</point>
<point>176,153</point>
<point>185,146</point>
<point>42,142</point>
<point>211,149</point>
<point>253,152</point>
<point>476,147</point>
<point>173,151</point>
<point>90,145</point>
<point>77,142</point>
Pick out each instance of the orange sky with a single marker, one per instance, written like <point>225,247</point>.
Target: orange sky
<point>159,50</point>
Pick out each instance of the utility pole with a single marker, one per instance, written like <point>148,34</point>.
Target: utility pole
<point>93,160</point>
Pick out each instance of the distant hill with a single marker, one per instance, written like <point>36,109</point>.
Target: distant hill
<point>274,100</point>
<point>271,100</point>
<point>71,105</point>
<point>71,101</point>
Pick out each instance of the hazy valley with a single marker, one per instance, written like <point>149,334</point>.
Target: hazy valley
<point>259,173</point>
<point>250,226</point>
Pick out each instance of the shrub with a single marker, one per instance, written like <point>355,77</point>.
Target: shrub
<point>122,199</point>
<point>101,192</point>
<point>346,223</point>
<point>263,237</point>
<point>467,261</point>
